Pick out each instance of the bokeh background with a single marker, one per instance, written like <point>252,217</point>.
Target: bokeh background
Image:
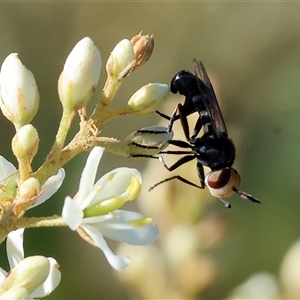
<point>252,54</point>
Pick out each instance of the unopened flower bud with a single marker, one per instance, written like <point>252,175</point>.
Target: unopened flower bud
<point>25,142</point>
<point>19,93</point>
<point>29,188</point>
<point>28,192</point>
<point>80,75</point>
<point>149,98</point>
<point>143,47</point>
<point>121,60</point>
<point>30,273</point>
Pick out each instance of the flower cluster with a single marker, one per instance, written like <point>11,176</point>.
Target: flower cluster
<point>31,277</point>
<point>95,211</point>
<point>34,276</point>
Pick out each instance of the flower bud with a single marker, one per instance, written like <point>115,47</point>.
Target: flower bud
<point>25,142</point>
<point>29,188</point>
<point>29,273</point>
<point>80,75</point>
<point>148,98</point>
<point>143,47</point>
<point>28,193</point>
<point>19,93</point>
<point>121,60</point>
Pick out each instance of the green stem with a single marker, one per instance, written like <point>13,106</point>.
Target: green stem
<point>106,115</point>
<point>52,165</point>
<point>52,221</point>
<point>13,224</point>
<point>24,169</point>
<point>62,132</point>
<point>55,158</point>
<point>111,145</point>
<point>110,89</point>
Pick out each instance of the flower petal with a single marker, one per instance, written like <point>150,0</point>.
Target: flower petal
<point>121,229</point>
<point>97,219</point>
<point>117,182</point>
<point>50,187</point>
<point>117,262</point>
<point>88,176</point>
<point>51,282</point>
<point>72,213</point>
<point>14,247</point>
<point>6,168</point>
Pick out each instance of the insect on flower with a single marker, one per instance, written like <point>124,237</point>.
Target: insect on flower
<point>214,148</point>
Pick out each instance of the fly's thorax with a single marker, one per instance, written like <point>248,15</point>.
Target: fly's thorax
<point>184,83</point>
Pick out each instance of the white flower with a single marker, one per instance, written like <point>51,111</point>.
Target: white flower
<point>121,59</point>
<point>80,75</point>
<point>19,92</point>
<point>48,188</point>
<point>25,142</point>
<point>95,209</point>
<point>149,98</point>
<point>15,254</point>
<point>14,244</point>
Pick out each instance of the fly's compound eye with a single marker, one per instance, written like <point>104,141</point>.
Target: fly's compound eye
<point>222,183</point>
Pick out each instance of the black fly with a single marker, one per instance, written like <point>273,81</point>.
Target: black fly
<point>214,148</point>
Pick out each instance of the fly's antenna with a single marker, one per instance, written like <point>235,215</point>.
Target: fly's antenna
<point>246,196</point>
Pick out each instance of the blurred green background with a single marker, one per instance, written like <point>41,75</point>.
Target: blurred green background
<point>252,53</point>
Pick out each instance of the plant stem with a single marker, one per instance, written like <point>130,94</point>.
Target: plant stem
<point>52,221</point>
<point>110,89</point>
<point>10,224</point>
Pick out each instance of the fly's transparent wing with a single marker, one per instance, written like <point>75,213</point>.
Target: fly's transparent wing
<point>209,97</point>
